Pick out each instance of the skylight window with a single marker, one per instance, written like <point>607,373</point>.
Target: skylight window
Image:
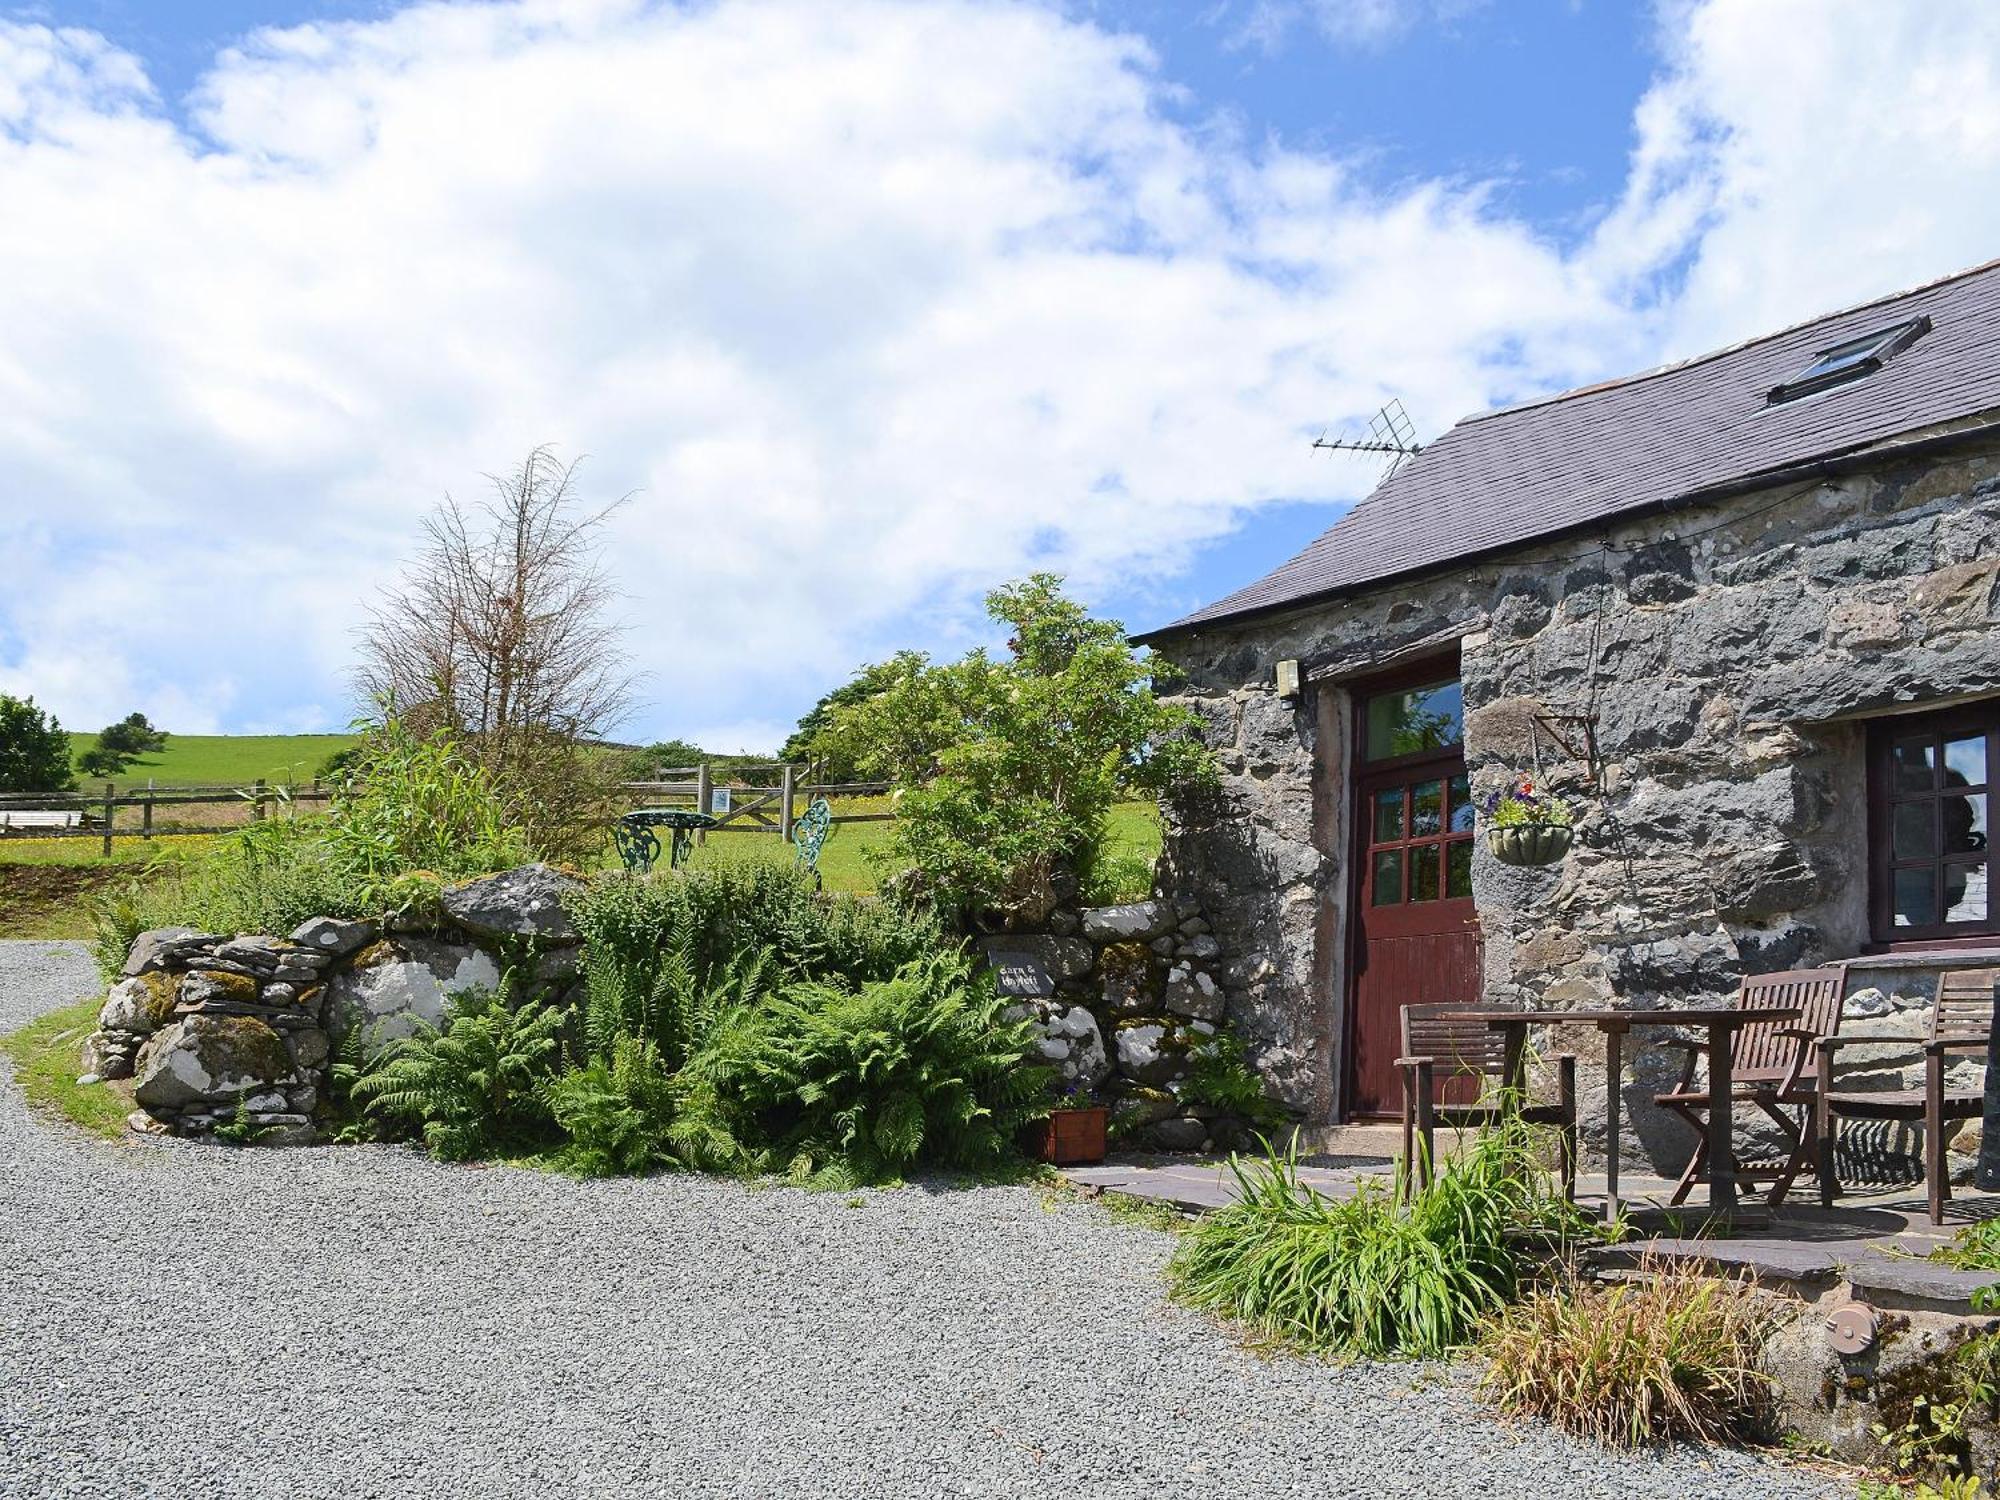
<point>1852,360</point>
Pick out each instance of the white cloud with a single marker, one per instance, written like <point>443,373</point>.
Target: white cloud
<point>1345,23</point>
<point>1811,154</point>
<point>875,304</point>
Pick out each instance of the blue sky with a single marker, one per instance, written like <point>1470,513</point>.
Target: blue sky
<point>871,306</point>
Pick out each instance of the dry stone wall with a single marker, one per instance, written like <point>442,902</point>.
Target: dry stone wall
<point>1126,997</point>
<point>1725,658</point>
<point>216,1029</point>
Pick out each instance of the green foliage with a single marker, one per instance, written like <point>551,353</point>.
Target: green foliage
<point>632,926</point>
<point>420,803</point>
<point>240,1129</point>
<point>1219,1075</point>
<point>1932,1442</point>
<point>266,877</point>
<point>416,815</point>
<point>1368,1276</point>
<point>1522,804</point>
<point>133,735</point>
<point>476,1088</point>
<point>670,755</point>
<point>34,751</point>
<point>1670,1356</point>
<point>844,1086</point>
<point>809,742</point>
<point>1007,768</point>
<point>340,767</point>
<point>43,1054</point>
<point>617,1110</point>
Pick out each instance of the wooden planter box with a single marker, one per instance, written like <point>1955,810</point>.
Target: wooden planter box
<point>1069,1137</point>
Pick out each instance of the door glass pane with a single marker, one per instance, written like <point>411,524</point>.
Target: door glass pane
<point>1965,761</point>
<point>1964,823</point>
<point>1912,762</point>
<point>1458,872</point>
<point>1388,816</point>
<point>1424,872</point>
<point>1914,830</point>
<point>1965,893</point>
<point>1387,887</point>
<point>1423,718</point>
<point>1461,805</point>
<point>1426,809</point>
<point>1916,898</point>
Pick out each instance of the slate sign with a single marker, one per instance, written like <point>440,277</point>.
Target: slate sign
<point>1021,974</point>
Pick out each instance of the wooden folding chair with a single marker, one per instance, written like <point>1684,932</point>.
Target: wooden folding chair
<point>1447,1045</point>
<point>1770,1067</point>
<point>1962,1022</point>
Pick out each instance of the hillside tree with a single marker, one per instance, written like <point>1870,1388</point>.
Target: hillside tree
<point>34,751</point>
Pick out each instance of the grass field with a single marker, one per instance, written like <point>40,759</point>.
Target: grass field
<point>46,883</point>
<point>225,759</point>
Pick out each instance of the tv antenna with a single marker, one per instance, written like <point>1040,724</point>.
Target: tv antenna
<point>1390,431</point>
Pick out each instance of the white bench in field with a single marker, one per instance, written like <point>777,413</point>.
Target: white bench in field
<point>12,820</point>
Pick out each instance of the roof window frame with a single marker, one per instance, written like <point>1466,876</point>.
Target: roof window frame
<point>1860,357</point>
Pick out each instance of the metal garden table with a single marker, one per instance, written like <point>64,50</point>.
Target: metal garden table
<point>639,845</point>
<point>1721,1022</point>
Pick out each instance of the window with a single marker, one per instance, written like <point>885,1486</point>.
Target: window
<point>1415,721</point>
<point>1929,818</point>
<point>1852,360</point>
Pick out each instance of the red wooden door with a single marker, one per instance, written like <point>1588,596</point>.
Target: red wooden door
<point>1416,933</point>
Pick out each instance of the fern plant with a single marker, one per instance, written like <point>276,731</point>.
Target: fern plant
<point>475,1088</point>
<point>848,1086</point>
<point>617,1110</point>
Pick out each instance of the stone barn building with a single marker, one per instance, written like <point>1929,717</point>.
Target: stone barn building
<point>1739,612</point>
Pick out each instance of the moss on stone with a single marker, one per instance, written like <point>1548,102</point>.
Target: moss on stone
<point>161,992</point>
<point>238,988</point>
<point>243,1047</point>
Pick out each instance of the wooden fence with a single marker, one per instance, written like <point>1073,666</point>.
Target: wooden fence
<point>760,799</point>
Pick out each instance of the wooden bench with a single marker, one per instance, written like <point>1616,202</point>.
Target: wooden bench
<point>37,821</point>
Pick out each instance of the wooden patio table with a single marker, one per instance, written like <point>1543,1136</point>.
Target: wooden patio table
<point>1721,1023</point>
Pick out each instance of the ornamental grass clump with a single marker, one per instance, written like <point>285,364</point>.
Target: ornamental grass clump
<point>1671,1355</point>
<point>1370,1276</point>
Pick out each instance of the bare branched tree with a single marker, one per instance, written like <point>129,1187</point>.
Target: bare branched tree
<point>500,631</point>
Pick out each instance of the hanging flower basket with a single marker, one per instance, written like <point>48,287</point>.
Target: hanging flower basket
<point>1525,826</point>
<point>1530,843</point>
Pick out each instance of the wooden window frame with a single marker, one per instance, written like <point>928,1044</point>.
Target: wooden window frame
<point>1883,734</point>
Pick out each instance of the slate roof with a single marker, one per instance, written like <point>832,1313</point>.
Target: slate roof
<point>1504,478</point>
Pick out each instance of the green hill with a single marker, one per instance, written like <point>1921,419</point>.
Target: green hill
<point>226,759</point>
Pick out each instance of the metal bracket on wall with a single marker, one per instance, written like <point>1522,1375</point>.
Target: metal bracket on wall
<point>1574,734</point>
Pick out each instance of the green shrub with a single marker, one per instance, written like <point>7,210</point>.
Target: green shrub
<point>1006,769</point>
<point>34,751</point>
<point>1219,1076</point>
<point>617,1110</point>
<point>847,1086</point>
<point>268,877</point>
<point>1368,1276</point>
<point>630,926</point>
<point>419,804</point>
<point>1669,1356</point>
<point>477,1087</point>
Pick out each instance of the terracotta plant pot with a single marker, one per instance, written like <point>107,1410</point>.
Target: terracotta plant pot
<point>1069,1137</point>
<point>1529,843</point>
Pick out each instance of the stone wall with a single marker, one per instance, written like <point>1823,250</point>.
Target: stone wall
<point>1124,995</point>
<point>1725,658</point>
<point>216,1029</point>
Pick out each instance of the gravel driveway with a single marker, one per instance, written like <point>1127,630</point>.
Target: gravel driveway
<point>183,1320</point>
